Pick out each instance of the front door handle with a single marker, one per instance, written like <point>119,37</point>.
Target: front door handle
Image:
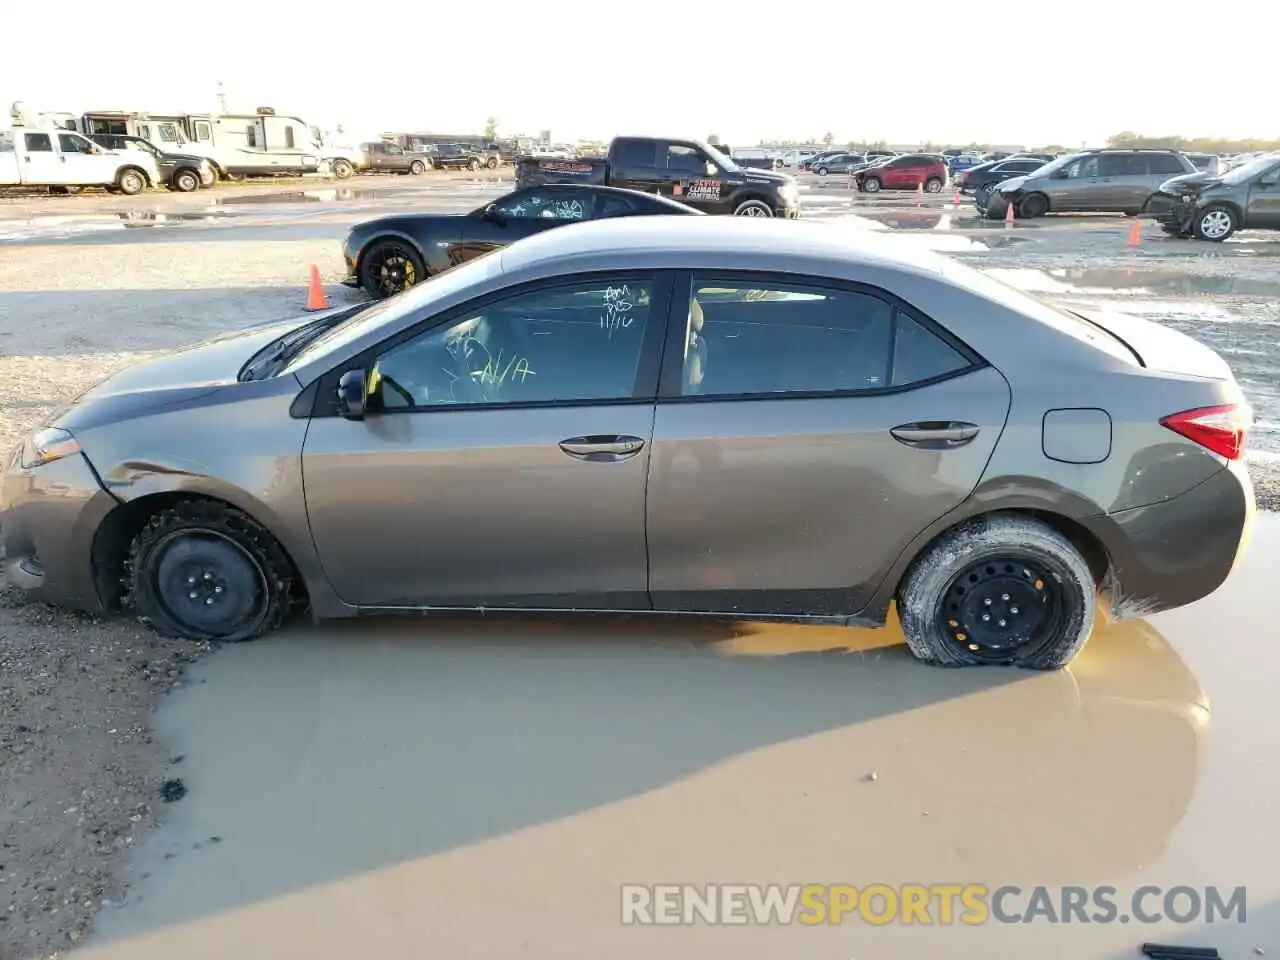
<point>935,434</point>
<point>602,448</point>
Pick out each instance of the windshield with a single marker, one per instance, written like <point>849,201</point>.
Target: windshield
<point>718,158</point>
<point>145,145</point>
<point>1249,170</point>
<point>1055,165</point>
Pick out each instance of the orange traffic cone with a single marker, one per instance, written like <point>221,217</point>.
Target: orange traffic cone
<point>1009,213</point>
<point>959,199</point>
<point>1135,233</point>
<point>316,300</point>
<point>919,194</point>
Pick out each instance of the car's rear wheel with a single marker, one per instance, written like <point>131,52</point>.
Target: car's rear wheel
<point>390,266</point>
<point>932,185</point>
<point>1004,589</point>
<point>871,184</point>
<point>203,570</point>
<point>1035,205</point>
<point>753,208</point>
<point>417,168</point>
<point>1216,223</point>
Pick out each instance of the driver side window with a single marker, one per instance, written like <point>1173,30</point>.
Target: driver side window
<point>545,205</point>
<point>580,342</point>
<point>1084,168</point>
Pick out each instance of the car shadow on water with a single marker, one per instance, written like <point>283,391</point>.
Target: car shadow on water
<point>348,752</point>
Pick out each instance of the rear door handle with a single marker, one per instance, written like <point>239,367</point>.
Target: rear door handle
<point>935,434</point>
<point>602,448</point>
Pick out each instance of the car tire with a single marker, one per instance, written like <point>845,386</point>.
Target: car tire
<point>186,181</point>
<point>1215,223</point>
<point>1032,206</point>
<point>473,165</point>
<point>968,573</point>
<point>203,570</point>
<point>131,181</point>
<point>417,168</point>
<point>983,194</point>
<point>870,185</point>
<point>933,185</point>
<point>492,163</point>
<point>378,286</point>
<point>341,168</point>
<point>753,208</point>
<point>823,171</point>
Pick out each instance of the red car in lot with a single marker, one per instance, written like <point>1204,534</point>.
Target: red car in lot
<point>906,172</point>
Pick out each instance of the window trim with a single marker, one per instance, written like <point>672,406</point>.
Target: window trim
<point>318,400</point>
<point>672,374</point>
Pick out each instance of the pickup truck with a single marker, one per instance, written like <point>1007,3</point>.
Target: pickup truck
<point>689,171</point>
<point>453,156</point>
<point>382,156</point>
<point>39,157</point>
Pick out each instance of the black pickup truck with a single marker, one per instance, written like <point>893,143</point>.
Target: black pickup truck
<point>685,170</point>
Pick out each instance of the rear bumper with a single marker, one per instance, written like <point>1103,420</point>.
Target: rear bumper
<point>1177,552</point>
<point>48,519</point>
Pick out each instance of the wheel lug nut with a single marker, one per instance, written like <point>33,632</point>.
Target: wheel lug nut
<point>208,601</point>
<point>209,576</point>
<point>1003,624</point>
<point>218,589</point>
<point>1004,596</point>
<point>1011,609</point>
<point>986,616</point>
<point>192,594</point>
<point>191,579</point>
<point>987,601</point>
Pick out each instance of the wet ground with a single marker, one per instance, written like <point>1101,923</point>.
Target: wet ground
<point>484,787</point>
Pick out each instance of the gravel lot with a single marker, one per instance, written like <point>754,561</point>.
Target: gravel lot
<point>81,777</point>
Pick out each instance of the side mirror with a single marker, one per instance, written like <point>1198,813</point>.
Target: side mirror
<point>711,169</point>
<point>492,214</point>
<point>352,395</point>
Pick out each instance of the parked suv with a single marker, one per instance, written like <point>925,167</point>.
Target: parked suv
<point>840,163</point>
<point>907,172</point>
<point>1094,181</point>
<point>984,178</point>
<point>178,171</point>
<point>1213,208</point>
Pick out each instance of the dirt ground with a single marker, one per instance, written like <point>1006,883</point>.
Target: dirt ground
<point>83,777</point>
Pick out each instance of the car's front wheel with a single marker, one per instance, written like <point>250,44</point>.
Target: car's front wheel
<point>186,181</point>
<point>202,570</point>
<point>342,169</point>
<point>753,208</point>
<point>417,168</point>
<point>871,185</point>
<point>1215,223</point>
<point>1003,589</point>
<point>390,266</point>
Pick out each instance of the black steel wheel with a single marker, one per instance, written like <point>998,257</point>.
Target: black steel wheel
<point>205,571</point>
<point>389,267</point>
<point>1001,589</point>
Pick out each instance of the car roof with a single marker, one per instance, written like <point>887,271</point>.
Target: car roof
<point>771,244</point>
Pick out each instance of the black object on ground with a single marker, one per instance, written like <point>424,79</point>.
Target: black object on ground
<point>1163,951</point>
<point>172,790</point>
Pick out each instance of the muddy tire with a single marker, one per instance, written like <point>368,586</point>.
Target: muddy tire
<point>1004,589</point>
<point>823,171</point>
<point>933,185</point>
<point>753,208</point>
<point>473,165</point>
<point>492,163</point>
<point>870,185</point>
<point>1035,205</point>
<point>185,181</point>
<point>131,181</point>
<point>203,570</point>
<point>341,168</point>
<point>417,168</point>
<point>1215,223</point>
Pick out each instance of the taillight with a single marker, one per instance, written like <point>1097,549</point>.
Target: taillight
<point>1222,430</point>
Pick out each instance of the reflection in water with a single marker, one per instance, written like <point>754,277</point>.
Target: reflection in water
<point>466,781</point>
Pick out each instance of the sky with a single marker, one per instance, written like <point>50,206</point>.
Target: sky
<point>1068,72</point>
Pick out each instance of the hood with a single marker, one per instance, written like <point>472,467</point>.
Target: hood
<point>766,176</point>
<point>1012,184</point>
<point>178,376</point>
<point>1190,182</point>
<point>181,158</point>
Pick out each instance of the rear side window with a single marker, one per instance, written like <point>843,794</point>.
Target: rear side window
<point>744,339</point>
<point>1164,163</point>
<point>634,153</point>
<point>613,206</point>
<point>38,142</point>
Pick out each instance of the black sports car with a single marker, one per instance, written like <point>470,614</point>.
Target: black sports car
<point>386,255</point>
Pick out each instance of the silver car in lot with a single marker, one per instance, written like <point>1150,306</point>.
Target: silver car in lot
<point>698,415</point>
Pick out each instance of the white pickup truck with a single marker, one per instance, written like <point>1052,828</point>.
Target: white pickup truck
<point>40,157</point>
